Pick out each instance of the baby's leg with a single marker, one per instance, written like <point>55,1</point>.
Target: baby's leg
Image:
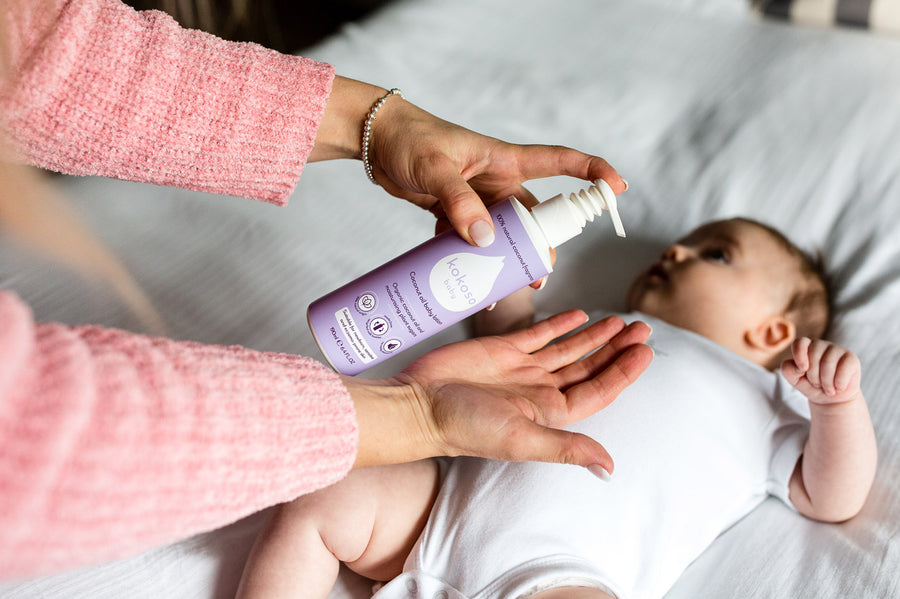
<point>572,593</point>
<point>370,521</point>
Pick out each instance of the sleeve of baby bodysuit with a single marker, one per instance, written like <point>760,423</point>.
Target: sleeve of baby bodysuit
<point>789,433</point>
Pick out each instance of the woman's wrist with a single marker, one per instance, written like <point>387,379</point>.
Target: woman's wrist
<point>394,421</point>
<point>340,132</point>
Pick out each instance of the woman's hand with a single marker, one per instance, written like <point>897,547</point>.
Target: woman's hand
<point>439,166</point>
<point>455,172</point>
<point>503,397</point>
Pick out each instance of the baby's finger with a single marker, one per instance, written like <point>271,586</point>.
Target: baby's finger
<point>799,350</point>
<point>828,367</point>
<point>792,373</point>
<point>848,372</point>
<point>816,351</point>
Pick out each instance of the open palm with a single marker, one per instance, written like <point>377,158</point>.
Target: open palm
<point>508,396</point>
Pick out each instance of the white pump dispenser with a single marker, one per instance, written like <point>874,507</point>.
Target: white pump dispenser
<point>562,217</point>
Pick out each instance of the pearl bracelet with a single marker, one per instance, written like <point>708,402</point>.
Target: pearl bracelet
<point>367,132</point>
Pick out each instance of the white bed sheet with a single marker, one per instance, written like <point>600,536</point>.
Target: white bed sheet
<point>706,110</point>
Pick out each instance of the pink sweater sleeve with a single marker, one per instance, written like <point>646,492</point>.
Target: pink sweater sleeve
<point>93,87</point>
<point>112,443</point>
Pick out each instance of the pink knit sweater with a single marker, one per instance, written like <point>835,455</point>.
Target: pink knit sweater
<point>110,442</point>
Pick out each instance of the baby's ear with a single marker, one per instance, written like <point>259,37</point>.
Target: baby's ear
<point>772,336</point>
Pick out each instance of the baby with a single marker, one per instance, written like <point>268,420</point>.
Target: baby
<point>702,438</point>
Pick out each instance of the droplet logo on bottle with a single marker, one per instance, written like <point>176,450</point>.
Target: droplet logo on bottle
<point>463,280</point>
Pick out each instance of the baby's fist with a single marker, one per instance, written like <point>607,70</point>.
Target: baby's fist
<point>824,372</point>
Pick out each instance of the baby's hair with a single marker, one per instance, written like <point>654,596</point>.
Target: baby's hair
<point>810,306</point>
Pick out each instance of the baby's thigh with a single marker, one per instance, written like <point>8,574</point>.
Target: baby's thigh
<point>372,518</point>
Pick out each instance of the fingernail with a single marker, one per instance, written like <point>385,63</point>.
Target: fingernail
<point>491,307</point>
<point>599,471</point>
<point>625,181</point>
<point>543,283</point>
<point>481,233</point>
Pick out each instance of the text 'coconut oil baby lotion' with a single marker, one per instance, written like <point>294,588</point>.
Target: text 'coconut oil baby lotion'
<point>444,280</point>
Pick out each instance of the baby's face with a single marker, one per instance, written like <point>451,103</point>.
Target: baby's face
<point>721,279</point>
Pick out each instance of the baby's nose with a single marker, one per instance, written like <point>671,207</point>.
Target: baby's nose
<point>675,253</point>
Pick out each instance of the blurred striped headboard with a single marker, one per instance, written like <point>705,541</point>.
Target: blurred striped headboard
<point>877,15</point>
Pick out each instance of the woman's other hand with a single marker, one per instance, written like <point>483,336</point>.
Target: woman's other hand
<point>505,397</point>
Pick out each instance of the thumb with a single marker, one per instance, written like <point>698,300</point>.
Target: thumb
<point>791,372</point>
<point>464,208</point>
<point>545,444</point>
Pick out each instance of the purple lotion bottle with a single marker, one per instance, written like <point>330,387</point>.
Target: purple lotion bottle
<point>445,280</point>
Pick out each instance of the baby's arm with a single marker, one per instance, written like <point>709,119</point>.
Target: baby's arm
<point>835,472</point>
<point>513,312</point>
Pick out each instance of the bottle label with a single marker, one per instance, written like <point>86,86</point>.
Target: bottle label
<point>422,292</point>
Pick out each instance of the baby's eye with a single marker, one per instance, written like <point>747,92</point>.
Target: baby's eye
<point>715,254</point>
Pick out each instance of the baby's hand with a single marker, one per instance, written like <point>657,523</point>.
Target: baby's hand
<point>824,372</point>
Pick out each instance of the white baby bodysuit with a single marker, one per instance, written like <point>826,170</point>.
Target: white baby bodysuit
<point>701,438</point>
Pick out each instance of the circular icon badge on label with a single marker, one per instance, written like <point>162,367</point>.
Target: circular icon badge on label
<point>390,346</point>
<point>378,326</point>
<point>366,302</point>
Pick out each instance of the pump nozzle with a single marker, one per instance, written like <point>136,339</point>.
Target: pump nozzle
<point>563,217</point>
<point>609,202</point>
